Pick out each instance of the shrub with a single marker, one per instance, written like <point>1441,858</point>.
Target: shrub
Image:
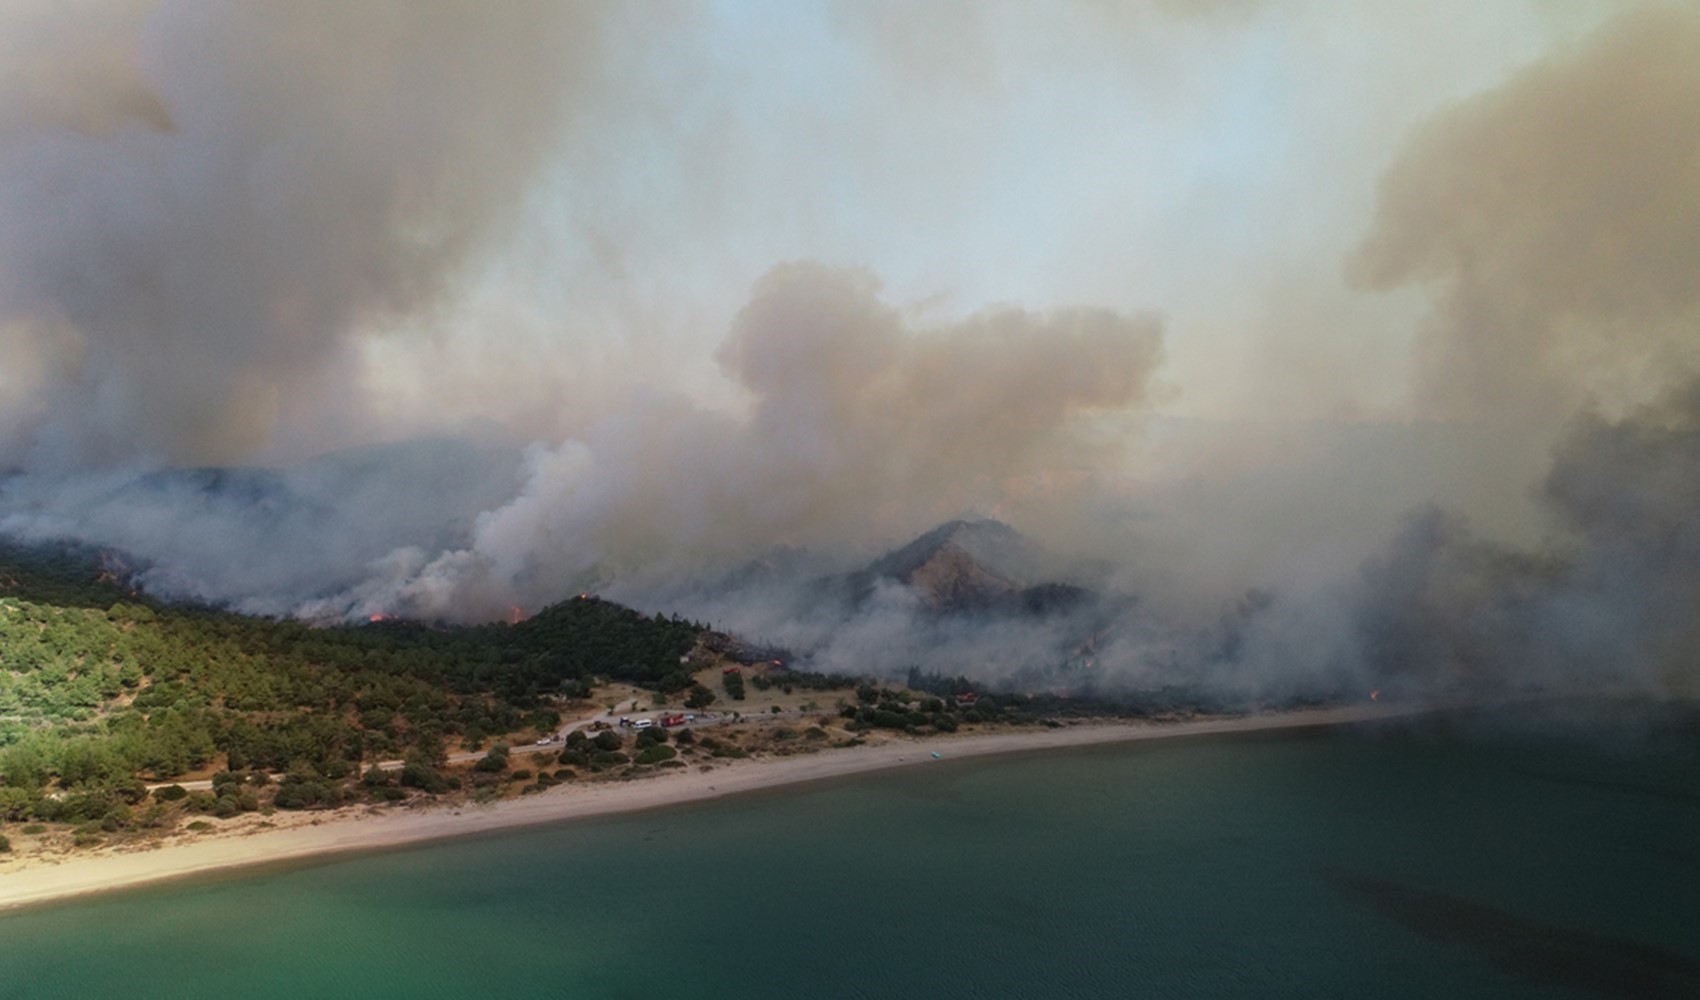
<point>292,795</point>
<point>890,720</point>
<point>35,828</point>
<point>170,793</point>
<point>375,777</point>
<point>424,778</point>
<point>5,844</point>
<point>523,774</point>
<point>302,793</point>
<point>608,740</point>
<point>577,739</point>
<point>656,754</point>
<point>199,825</point>
<point>699,697</point>
<point>565,774</point>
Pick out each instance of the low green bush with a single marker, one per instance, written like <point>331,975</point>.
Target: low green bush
<point>656,754</point>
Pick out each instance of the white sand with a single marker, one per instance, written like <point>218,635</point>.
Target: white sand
<point>300,835</point>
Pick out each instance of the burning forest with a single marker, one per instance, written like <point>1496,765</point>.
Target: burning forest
<point>1044,354</point>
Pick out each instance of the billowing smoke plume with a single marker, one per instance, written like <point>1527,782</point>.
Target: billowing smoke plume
<point>1558,218</point>
<point>1615,596</point>
<point>199,204</point>
<point>1560,215</point>
<point>859,426</point>
<point>213,219</point>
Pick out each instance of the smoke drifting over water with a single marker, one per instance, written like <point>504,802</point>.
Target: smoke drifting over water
<point>333,311</point>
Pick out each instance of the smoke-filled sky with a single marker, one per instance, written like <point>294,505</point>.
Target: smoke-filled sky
<point>1214,290</point>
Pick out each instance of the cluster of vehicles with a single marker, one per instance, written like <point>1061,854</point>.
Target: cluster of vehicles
<point>667,721</point>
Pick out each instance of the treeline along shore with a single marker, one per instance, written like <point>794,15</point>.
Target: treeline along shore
<point>141,739</point>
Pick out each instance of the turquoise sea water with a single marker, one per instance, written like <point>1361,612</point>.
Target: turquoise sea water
<point>1523,854</point>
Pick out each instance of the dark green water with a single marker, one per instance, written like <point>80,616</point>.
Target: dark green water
<point>1481,857</point>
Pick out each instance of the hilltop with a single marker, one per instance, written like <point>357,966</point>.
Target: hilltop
<point>978,566</point>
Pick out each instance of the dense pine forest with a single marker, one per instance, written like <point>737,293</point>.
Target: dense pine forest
<point>102,690</point>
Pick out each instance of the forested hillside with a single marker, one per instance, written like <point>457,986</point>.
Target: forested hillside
<point>101,689</point>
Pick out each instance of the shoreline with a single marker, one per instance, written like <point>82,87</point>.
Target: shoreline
<point>304,836</point>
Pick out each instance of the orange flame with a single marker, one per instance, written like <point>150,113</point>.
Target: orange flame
<point>1375,695</point>
<point>514,616</point>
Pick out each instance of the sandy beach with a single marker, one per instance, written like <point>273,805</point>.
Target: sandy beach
<point>295,836</point>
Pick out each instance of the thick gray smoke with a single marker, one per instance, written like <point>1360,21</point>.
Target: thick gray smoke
<point>200,204</point>
<point>1557,218</point>
<point>1560,216</point>
<point>859,426</point>
<point>213,218</point>
<point>1615,596</point>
